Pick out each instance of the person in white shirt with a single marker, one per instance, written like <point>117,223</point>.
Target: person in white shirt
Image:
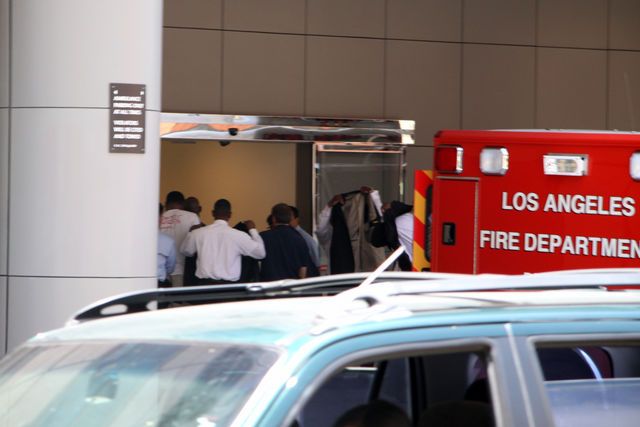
<point>397,230</point>
<point>402,216</point>
<point>404,227</point>
<point>176,223</point>
<point>166,258</point>
<point>220,247</point>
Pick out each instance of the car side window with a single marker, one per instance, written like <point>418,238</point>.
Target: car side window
<point>346,389</point>
<point>430,390</point>
<point>591,385</point>
<point>393,384</point>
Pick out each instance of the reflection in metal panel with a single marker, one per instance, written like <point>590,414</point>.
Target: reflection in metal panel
<point>186,126</point>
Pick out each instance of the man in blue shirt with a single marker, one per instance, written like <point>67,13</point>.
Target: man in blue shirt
<point>314,249</point>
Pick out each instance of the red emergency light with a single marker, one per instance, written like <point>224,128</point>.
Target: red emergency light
<point>448,159</point>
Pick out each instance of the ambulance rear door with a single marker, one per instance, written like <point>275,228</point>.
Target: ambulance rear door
<point>455,223</point>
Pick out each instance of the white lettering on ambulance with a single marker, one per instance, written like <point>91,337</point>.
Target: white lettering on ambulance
<point>509,241</point>
<point>520,201</point>
<point>568,247</point>
<point>557,244</point>
<point>581,246</point>
<point>629,206</point>
<point>608,247</point>
<point>578,204</point>
<point>590,205</point>
<point>594,245</point>
<point>615,204</point>
<point>635,249</point>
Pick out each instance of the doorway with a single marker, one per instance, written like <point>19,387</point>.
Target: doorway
<point>258,161</point>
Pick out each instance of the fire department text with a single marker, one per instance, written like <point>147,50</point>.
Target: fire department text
<point>570,203</point>
<point>554,243</point>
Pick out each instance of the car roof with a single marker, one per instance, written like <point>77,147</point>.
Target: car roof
<point>376,307</point>
<point>138,301</point>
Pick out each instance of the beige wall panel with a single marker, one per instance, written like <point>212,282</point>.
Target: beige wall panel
<point>278,16</point>
<point>424,19</point>
<point>191,71</point>
<point>253,176</point>
<point>4,187</point>
<point>624,91</point>
<point>498,87</point>
<point>360,18</point>
<point>4,53</point>
<point>572,23</point>
<point>193,13</point>
<point>499,21</point>
<point>345,77</point>
<point>624,31</point>
<point>423,84</point>
<point>571,89</point>
<point>263,74</point>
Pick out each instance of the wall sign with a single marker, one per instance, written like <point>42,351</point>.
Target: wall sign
<point>127,116</point>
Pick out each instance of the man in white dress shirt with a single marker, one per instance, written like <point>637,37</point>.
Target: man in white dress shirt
<point>220,247</point>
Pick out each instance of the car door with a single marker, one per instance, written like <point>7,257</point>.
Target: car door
<point>438,364</point>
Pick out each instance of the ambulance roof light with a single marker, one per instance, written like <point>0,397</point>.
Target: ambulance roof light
<point>634,166</point>
<point>448,159</point>
<point>494,161</point>
<point>566,164</point>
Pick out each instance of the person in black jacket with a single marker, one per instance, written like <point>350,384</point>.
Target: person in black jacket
<point>395,229</point>
<point>343,230</point>
<point>287,255</point>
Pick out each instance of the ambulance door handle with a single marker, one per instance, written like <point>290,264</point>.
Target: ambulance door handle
<point>449,233</point>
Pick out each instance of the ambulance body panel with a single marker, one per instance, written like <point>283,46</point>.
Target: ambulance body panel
<point>546,200</point>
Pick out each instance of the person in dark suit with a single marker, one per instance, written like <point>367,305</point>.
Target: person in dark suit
<point>287,255</point>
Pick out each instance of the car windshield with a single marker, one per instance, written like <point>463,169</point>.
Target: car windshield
<point>102,384</point>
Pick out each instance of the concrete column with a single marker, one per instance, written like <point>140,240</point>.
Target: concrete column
<point>4,165</point>
<point>82,222</point>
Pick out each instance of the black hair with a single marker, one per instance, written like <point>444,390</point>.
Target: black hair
<point>174,197</point>
<point>281,213</point>
<point>192,204</point>
<point>222,207</point>
<point>161,208</point>
<point>294,211</point>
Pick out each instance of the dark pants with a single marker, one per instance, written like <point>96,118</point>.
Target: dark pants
<point>164,283</point>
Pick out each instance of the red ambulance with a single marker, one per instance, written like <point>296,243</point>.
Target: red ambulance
<point>508,201</point>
